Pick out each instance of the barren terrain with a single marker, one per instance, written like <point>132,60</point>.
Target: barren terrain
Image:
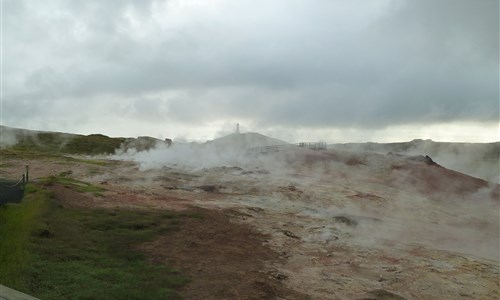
<point>304,224</point>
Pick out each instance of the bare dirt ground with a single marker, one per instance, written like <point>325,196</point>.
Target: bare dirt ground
<point>225,260</point>
<point>317,226</point>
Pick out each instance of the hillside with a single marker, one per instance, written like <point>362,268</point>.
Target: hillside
<point>245,141</point>
<point>66,143</point>
<point>479,160</point>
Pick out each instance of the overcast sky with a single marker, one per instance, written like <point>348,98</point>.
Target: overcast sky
<point>337,70</point>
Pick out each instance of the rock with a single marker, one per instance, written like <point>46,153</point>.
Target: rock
<point>255,209</point>
<point>347,220</point>
<point>390,269</point>
<point>274,273</point>
<point>280,276</point>
<point>429,161</point>
<point>209,188</point>
<point>290,234</point>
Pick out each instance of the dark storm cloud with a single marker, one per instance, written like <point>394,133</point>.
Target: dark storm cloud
<point>278,63</point>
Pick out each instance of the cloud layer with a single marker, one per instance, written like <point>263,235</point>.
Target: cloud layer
<point>86,65</point>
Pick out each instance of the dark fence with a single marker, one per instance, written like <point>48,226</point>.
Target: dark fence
<point>313,145</point>
<point>12,191</point>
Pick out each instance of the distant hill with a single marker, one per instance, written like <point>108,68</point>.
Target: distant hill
<point>94,144</point>
<point>481,160</point>
<point>230,150</point>
<point>243,141</point>
<point>58,142</point>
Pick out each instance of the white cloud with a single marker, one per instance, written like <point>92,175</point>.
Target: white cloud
<point>337,66</point>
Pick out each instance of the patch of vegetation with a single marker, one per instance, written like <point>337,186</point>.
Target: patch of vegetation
<point>92,253</point>
<point>142,143</point>
<point>96,166</point>
<point>77,185</point>
<point>40,142</point>
<point>81,253</point>
<point>5,165</point>
<point>29,142</point>
<point>15,153</point>
<point>93,162</point>
<point>17,221</point>
<point>94,171</point>
<point>92,144</point>
<point>54,142</point>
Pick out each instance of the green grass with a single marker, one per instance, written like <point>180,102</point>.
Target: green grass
<point>53,142</point>
<point>43,141</point>
<point>90,254</point>
<point>88,161</point>
<point>66,143</point>
<point>17,221</point>
<point>81,253</point>
<point>15,153</point>
<point>37,145</point>
<point>92,144</point>
<point>6,165</point>
<point>77,185</point>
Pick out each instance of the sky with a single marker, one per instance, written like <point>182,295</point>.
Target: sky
<point>298,70</point>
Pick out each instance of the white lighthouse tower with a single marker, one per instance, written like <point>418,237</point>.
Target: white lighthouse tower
<point>237,128</point>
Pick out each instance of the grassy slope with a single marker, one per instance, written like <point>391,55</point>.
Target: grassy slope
<point>56,142</point>
<point>53,252</point>
<point>16,224</point>
<point>77,185</point>
<point>64,143</point>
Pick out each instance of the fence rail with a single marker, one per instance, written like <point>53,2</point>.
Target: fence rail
<point>313,145</point>
<point>267,149</point>
<point>277,148</point>
<point>6,183</point>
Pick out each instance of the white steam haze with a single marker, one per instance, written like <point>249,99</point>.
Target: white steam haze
<point>341,71</point>
<point>229,151</point>
<point>395,200</point>
<point>7,137</point>
<point>474,160</point>
<point>481,160</point>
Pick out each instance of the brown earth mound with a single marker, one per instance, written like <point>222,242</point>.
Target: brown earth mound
<point>434,179</point>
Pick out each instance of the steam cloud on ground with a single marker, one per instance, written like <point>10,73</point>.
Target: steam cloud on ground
<point>391,197</point>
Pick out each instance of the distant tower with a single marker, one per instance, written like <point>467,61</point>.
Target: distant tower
<point>237,127</point>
